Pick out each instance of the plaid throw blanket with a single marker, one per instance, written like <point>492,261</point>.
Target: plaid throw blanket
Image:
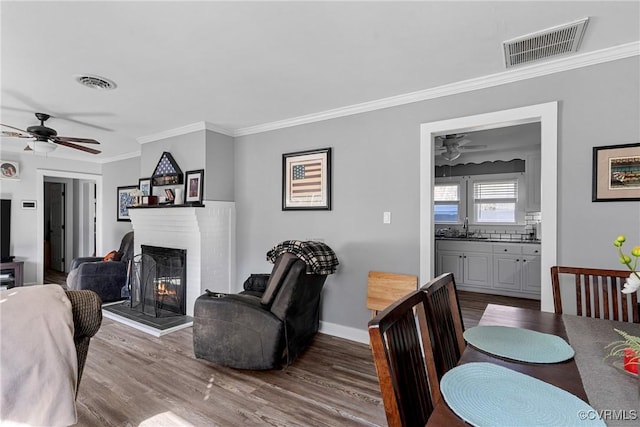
<point>320,258</point>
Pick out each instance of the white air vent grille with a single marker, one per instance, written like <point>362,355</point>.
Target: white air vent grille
<point>544,44</point>
<point>95,82</point>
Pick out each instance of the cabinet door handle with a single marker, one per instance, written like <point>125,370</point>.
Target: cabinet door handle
<point>459,256</point>
<point>505,250</point>
<point>536,251</point>
<point>517,260</point>
<point>524,260</point>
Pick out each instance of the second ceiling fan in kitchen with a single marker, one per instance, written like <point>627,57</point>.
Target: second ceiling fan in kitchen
<point>451,146</point>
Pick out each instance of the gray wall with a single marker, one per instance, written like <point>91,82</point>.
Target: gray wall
<point>376,169</point>
<point>204,149</point>
<point>114,175</point>
<point>219,171</point>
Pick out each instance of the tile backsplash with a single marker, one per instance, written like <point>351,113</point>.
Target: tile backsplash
<point>505,232</point>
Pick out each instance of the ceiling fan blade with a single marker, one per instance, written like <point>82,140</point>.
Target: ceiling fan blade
<point>15,134</point>
<point>77,147</point>
<point>72,139</point>
<point>18,129</point>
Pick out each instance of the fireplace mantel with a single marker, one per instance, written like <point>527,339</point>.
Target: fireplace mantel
<point>208,233</point>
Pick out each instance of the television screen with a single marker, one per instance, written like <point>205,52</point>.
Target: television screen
<point>5,229</point>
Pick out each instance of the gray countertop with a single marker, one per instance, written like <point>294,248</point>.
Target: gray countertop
<point>463,239</point>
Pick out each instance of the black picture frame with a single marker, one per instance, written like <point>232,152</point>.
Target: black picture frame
<point>616,173</point>
<point>124,200</point>
<point>306,180</point>
<point>146,186</point>
<point>193,187</point>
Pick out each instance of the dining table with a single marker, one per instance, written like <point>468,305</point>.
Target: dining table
<point>590,376</point>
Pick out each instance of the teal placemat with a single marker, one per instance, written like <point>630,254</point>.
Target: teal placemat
<point>519,344</point>
<point>484,394</point>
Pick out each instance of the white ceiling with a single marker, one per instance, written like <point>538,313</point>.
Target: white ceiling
<point>238,65</point>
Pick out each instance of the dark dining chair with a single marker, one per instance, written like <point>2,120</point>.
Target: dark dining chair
<point>598,293</point>
<point>445,320</point>
<point>403,356</point>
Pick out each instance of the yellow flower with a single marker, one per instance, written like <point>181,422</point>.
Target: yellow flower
<point>626,259</point>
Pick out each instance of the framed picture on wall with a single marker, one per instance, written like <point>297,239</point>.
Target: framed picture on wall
<point>144,185</point>
<point>125,199</point>
<point>306,180</point>
<point>616,173</point>
<point>194,186</point>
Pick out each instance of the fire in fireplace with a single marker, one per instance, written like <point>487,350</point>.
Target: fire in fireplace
<point>158,279</point>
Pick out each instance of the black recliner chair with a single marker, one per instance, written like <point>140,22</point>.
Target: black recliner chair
<point>268,324</point>
<point>106,278</point>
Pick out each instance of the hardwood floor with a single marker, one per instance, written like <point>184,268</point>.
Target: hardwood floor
<point>57,277</point>
<point>472,305</point>
<point>133,379</point>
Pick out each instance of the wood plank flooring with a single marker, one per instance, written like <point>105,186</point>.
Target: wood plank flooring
<point>472,305</point>
<point>134,379</point>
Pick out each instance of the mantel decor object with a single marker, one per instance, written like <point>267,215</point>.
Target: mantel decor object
<point>125,199</point>
<point>144,185</point>
<point>306,180</point>
<point>616,173</point>
<point>167,171</point>
<point>194,186</point>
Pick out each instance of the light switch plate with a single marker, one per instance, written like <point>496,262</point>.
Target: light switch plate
<point>386,218</point>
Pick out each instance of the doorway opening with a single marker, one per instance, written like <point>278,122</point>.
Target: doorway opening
<point>80,215</point>
<point>546,115</point>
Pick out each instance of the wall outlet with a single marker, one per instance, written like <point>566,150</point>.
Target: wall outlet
<point>386,218</point>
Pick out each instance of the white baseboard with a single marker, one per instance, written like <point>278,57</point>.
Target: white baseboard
<point>345,332</point>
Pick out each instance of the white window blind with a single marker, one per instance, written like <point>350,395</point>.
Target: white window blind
<point>499,190</point>
<point>447,193</point>
<point>495,201</point>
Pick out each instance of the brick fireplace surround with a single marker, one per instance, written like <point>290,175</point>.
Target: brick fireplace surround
<point>208,235</point>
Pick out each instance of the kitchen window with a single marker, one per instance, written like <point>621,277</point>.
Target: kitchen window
<point>447,202</point>
<point>497,201</point>
<point>485,199</point>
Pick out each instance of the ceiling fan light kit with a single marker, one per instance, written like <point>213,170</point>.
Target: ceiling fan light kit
<point>451,155</point>
<point>39,146</point>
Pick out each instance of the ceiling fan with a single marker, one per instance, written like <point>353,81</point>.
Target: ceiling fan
<point>452,145</point>
<point>44,139</point>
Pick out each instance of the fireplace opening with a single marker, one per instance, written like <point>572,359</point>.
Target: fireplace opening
<point>158,279</point>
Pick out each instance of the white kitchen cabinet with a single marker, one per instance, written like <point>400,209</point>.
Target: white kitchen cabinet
<point>531,280</point>
<point>511,269</point>
<point>532,165</point>
<point>517,268</point>
<point>506,271</point>
<point>470,262</point>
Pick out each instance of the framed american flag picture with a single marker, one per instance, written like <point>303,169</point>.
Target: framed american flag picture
<point>306,180</point>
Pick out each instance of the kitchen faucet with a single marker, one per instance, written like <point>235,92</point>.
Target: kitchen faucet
<point>465,226</point>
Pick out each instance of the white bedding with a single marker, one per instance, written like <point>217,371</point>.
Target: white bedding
<point>39,365</point>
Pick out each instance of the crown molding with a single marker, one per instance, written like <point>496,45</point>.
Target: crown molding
<point>119,157</point>
<point>194,127</point>
<point>517,74</point>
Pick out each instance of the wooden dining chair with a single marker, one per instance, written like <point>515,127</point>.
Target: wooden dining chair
<point>403,356</point>
<point>598,293</point>
<point>383,289</point>
<point>445,318</point>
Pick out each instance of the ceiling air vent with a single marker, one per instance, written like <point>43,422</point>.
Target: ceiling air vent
<point>544,44</point>
<point>95,82</point>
